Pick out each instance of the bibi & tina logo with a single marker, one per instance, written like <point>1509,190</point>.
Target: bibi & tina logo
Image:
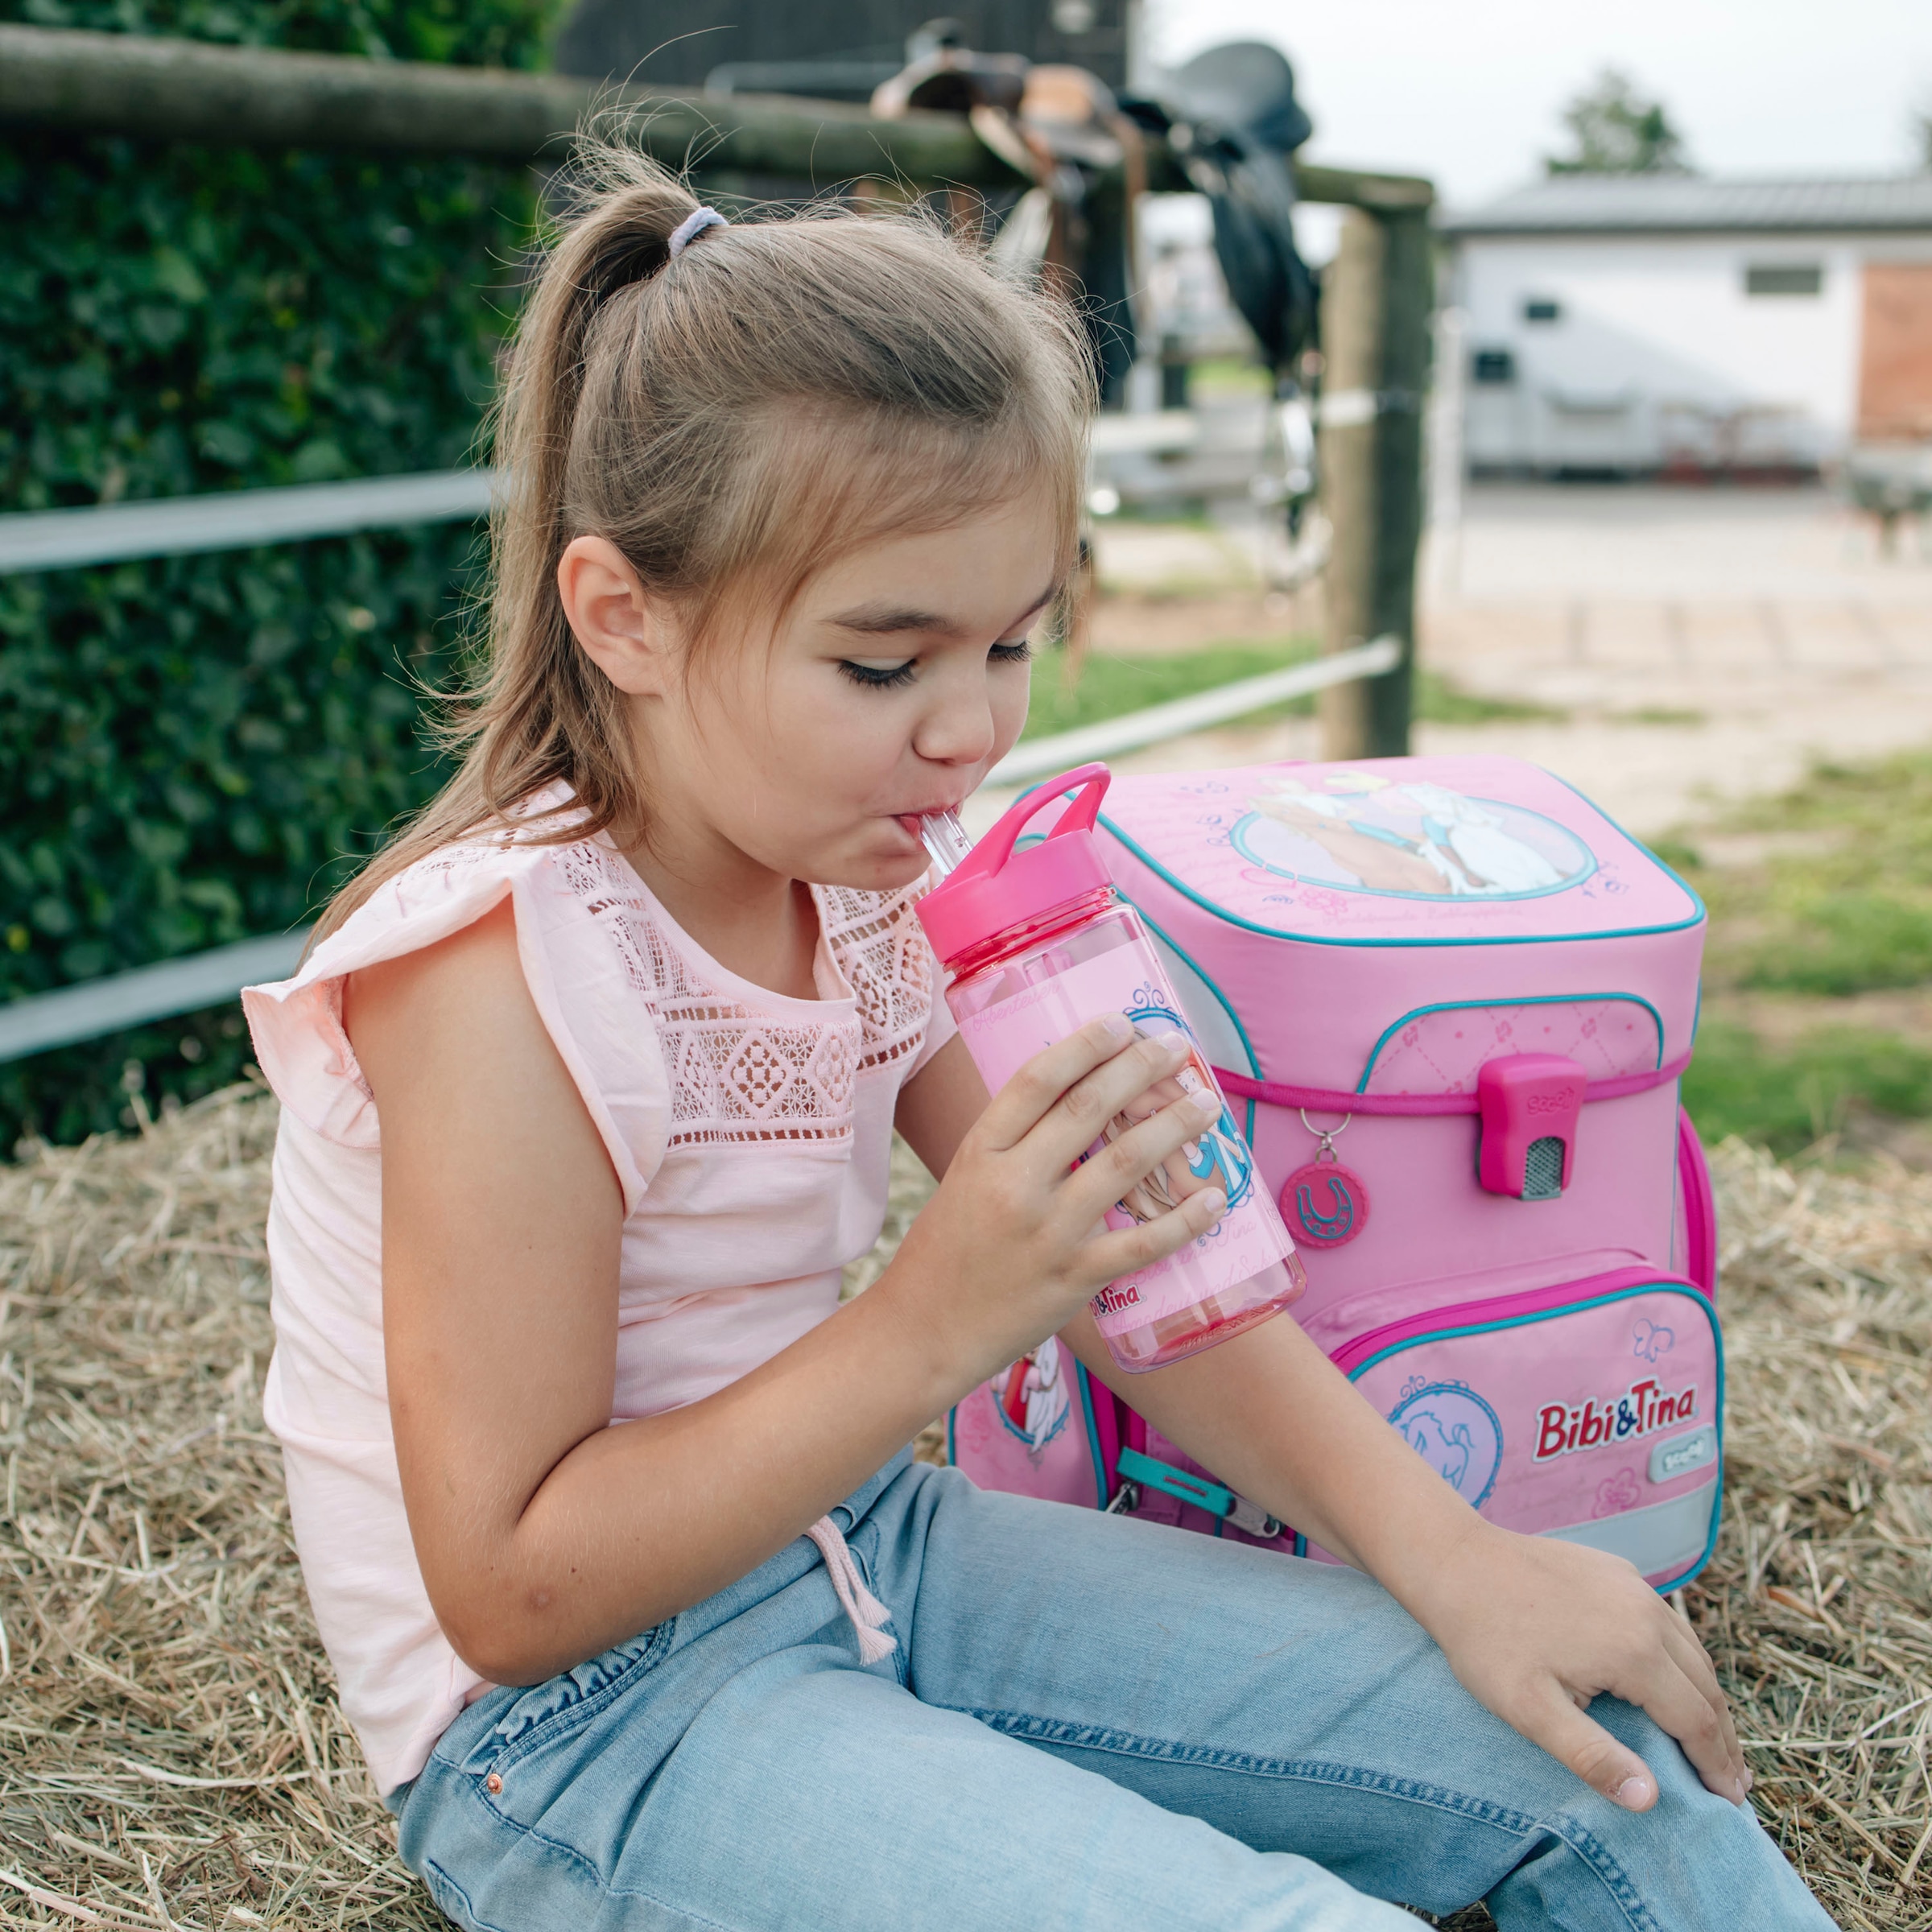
<point>1563,1427</point>
<point>1116,1296</point>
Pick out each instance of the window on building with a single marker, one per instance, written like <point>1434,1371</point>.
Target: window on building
<point>1784,278</point>
<point>1542,308</point>
<point>1493,367</point>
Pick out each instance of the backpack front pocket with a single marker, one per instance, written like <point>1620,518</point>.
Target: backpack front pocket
<point>1591,1411</point>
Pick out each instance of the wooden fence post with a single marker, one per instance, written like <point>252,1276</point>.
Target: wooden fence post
<point>1376,301</point>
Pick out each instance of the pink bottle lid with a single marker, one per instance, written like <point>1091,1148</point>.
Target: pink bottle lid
<point>995,887</point>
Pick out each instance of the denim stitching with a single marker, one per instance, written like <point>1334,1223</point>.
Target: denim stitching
<point>572,1855</point>
<point>441,1883</point>
<point>1127,1743</point>
<point>651,1652</point>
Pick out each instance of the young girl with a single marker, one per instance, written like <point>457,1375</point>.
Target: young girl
<point>642,1612</point>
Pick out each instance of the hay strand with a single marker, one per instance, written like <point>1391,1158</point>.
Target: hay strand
<point>172,1752</point>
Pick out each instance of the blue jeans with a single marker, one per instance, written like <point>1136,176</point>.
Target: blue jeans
<point>1088,1723</point>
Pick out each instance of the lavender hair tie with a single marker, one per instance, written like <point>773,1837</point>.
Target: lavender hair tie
<point>693,225</point>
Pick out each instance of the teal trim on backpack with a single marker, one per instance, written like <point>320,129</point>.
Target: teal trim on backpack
<point>1093,1436</point>
<point>1622,1294</point>
<point>1312,939</point>
<point>1663,865</point>
<point>1549,999</point>
<point>1199,1490</point>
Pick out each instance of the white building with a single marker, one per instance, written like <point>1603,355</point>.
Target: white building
<point>1666,323</point>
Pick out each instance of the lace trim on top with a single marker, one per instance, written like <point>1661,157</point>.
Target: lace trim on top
<point>741,1074</point>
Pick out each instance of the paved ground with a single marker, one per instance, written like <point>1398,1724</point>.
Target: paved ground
<point>1700,643</point>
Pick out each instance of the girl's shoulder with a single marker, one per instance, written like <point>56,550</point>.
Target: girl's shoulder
<point>565,891</point>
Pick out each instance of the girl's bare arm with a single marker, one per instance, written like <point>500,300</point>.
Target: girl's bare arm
<point>544,1535</point>
<point>1534,1627</point>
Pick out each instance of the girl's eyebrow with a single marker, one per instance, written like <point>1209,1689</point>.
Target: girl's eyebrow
<point>882,619</point>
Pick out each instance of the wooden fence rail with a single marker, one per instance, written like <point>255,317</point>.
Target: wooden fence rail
<point>194,90</point>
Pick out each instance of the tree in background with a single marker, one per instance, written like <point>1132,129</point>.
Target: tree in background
<point>1616,131</point>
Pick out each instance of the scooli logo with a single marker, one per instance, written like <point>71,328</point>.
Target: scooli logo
<point>1561,1428</point>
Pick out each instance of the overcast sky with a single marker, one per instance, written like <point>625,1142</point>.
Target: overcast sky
<point>1470,91</point>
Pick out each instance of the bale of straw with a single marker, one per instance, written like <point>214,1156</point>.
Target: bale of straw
<point>171,1751</point>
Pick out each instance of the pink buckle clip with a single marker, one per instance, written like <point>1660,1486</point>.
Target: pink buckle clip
<point>1528,1104</point>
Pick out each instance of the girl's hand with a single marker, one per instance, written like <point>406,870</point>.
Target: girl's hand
<point>1533,1627</point>
<point>1536,1628</point>
<point>1012,1244</point>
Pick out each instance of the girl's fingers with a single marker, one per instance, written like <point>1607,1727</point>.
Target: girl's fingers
<point>1681,1708</point>
<point>1576,1739</point>
<point>1084,1111</point>
<point>1125,1250</point>
<point>1099,1183</point>
<point>1691,1659</point>
<point>1018,1107</point>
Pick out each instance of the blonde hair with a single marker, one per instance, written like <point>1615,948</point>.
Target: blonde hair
<point>783,391</point>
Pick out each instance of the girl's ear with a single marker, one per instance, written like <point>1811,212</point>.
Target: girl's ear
<point>626,632</point>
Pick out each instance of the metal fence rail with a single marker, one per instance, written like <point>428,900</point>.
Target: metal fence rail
<point>119,533</point>
<point>1037,756</point>
<point>46,1020</point>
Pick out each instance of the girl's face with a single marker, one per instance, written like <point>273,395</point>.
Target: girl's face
<point>895,682</point>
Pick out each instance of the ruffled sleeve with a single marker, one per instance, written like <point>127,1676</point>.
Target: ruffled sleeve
<point>595,1013</point>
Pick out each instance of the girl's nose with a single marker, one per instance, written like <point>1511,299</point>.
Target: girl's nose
<point>959,728</point>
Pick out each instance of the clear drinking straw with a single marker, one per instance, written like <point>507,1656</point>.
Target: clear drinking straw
<point>945,839</point>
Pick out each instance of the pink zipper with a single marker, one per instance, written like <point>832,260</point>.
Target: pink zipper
<point>1530,1302</point>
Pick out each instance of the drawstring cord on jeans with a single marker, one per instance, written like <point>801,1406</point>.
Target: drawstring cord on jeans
<point>866,1613</point>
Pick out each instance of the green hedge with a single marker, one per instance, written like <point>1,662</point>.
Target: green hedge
<point>195,750</point>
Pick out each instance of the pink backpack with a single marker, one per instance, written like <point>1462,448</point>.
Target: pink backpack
<point>1454,1001</point>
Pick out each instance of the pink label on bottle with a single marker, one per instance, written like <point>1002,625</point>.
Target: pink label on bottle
<point>1248,1238</point>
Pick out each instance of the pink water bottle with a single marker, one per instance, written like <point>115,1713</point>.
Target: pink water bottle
<point>1037,942</point>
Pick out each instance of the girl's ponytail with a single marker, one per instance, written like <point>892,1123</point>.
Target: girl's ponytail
<point>729,417</point>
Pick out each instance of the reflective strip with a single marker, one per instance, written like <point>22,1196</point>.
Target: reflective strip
<point>1659,1538</point>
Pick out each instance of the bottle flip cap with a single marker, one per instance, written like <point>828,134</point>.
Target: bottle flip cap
<point>996,886</point>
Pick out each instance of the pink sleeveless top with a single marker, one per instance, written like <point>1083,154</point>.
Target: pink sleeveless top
<point>751,1134</point>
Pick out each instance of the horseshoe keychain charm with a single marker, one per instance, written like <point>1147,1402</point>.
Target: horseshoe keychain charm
<point>1324,1203</point>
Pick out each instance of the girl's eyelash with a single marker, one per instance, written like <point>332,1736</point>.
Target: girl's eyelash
<point>877,677</point>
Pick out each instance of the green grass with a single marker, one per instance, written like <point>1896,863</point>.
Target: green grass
<point>1847,907</point>
<point>1788,1100</point>
<point>1109,687</point>
<point>1838,905</point>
